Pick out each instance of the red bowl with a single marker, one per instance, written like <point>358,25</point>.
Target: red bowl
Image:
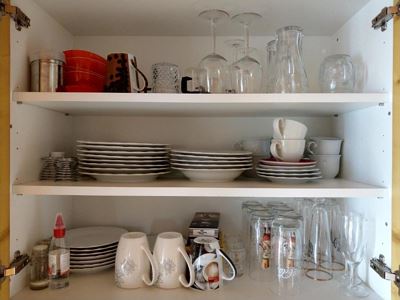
<point>85,64</point>
<point>84,78</point>
<point>83,53</point>
<point>81,88</point>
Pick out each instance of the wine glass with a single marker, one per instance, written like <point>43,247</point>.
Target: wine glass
<point>235,44</point>
<point>247,71</point>
<point>354,242</point>
<point>215,65</point>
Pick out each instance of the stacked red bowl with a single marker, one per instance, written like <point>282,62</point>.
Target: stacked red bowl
<point>84,71</point>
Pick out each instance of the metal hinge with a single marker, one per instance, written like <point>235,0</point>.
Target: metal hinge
<point>19,262</point>
<point>387,13</point>
<point>20,19</point>
<point>379,266</point>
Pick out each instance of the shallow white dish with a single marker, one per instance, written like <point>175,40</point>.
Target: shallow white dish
<point>294,180</point>
<point>94,236</point>
<point>125,177</point>
<point>91,262</point>
<point>295,168</point>
<point>120,165</point>
<point>119,148</point>
<point>205,166</point>
<point>286,163</point>
<point>124,157</point>
<point>94,257</point>
<point>217,162</point>
<point>207,157</point>
<point>123,170</point>
<point>290,171</point>
<point>212,153</point>
<point>139,160</point>
<point>88,252</point>
<point>122,143</point>
<point>290,175</point>
<point>212,175</point>
<point>92,269</point>
<point>121,153</point>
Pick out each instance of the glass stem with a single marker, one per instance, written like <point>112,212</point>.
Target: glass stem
<point>353,274</point>
<point>247,41</point>
<point>214,38</point>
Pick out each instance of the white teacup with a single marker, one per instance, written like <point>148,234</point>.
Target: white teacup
<point>133,260</point>
<point>289,129</point>
<point>288,150</point>
<point>257,146</point>
<point>328,164</point>
<point>324,145</point>
<point>172,259</point>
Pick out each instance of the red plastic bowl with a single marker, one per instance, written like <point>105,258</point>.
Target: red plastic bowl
<point>81,89</point>
<point>84,78</point>
<point>85,61</point>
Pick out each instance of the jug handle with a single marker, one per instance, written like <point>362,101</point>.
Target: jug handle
<point>182,278</point>
<point>146,83</point>
<point>230,263</point>
<point>154,269</point>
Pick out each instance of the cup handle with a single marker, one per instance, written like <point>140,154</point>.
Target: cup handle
<point>274,151</point>
<point>182,278</point>
<point>146,83</point>
<point>311,146</point>
<point>154,269</point>
<point>230,263</point>
<point>278,127</point>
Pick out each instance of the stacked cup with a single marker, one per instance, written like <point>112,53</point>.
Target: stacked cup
<point>289,141</point>
<point>326,151</point>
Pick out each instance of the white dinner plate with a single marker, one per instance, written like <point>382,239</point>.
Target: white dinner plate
<point>287,163</point>
<point>123,144</point>
<point>208,157</point>
<point>145,160</point>
<point>290,171</point>
<point>212,175</point>
<point>217,162</point>
<point>123,170</point>
<point>91,269</point>
<point>94,236</point>
<point>212,153</point>
<point>290,175</point>
<point>295,168</point>
<point>119,148</point>
<point>294,180</point>
<point>119,165</point>
<point>88,252</point>
<point>124,157</point>
<point>121,153</point>
<point>125,177</point>
<point>79,263</point>
<point>94,257</point>
<point>205,166</point>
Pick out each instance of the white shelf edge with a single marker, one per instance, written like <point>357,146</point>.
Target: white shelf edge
<point>338,188</point>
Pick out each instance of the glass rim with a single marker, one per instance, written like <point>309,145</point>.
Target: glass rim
<point>289,28</point>
<point>271,45</point>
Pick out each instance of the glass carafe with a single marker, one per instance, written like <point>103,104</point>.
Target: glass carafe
<point>291,76</point>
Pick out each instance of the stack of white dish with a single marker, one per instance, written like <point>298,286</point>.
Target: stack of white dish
<point>122,162</point>
<point>288,172</point>
<point>93,249</point>
<point>211,166</point>
<point>58,167</point>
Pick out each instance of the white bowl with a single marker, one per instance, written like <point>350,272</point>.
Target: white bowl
<point>212,175</point>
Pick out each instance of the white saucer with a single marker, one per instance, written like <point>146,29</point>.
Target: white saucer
<point>94,236</point>
<point>212,153</point>
<point>122,144</point>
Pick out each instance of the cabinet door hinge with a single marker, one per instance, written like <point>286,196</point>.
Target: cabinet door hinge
<point>19,262</point>
<point>387,13</point>
<point>380,267</point>
<point>20,19</point>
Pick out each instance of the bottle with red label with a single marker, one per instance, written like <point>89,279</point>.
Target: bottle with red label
<point>58,256</point>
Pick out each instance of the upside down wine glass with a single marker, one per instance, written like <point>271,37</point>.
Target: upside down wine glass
<point>247,71</point>
<point>215,65</point>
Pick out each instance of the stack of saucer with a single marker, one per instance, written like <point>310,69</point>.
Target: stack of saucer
<point>121,161</point>
<point>289,172</point>
<point>93,249</point>
<point>211,166</point>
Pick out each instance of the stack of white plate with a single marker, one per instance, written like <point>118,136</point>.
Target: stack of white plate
<point>288,172</point>
<point>122,162</point>
<point>93,249</point>
<point>211,166</point>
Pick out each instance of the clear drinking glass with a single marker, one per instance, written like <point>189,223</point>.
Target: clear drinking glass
<point>354,242</point>
<point>246,73</point>
<point>319,245</point>
<point>260,246</point>
<point>271,65</point>
<point>291,75</point>
<point>336,74</point>
<point>335,224</point>
<point>215,65</point>
<point>287,257</point>
<point>166,78</point>
<point>236,251</point>
<point>235,44</point>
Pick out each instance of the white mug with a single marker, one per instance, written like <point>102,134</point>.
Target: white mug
<point>288,150</point>
<point>133,260</point>
<point>328,164</point>
<point>324,145</point>
<point>257,146</point>
<point>172,259</point>
<point>289,129</point>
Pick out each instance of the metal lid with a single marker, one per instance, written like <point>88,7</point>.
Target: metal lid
<point>47,55</point>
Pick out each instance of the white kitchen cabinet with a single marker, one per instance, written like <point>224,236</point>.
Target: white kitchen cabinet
<point>44,122</point>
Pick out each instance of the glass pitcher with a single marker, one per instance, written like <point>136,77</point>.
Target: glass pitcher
<point>291,76</point>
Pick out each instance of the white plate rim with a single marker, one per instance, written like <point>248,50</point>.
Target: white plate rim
<point>212,170</point>
<point>113,231</point>
<point>212,152</point>
<point>121,143</point>
<point>217,158</point>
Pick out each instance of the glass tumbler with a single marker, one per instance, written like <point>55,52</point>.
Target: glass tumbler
<point>166,78</point>
<point>291,75</point>
<point>287,257</point>
<point>336,74</point>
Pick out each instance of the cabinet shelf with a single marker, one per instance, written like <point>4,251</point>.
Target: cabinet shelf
<point>338,188</point>
<point>101,286</point>
<point>310,104</point>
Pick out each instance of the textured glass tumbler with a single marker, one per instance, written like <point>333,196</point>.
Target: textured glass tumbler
<point>165,78</point>
<point>336,74</point>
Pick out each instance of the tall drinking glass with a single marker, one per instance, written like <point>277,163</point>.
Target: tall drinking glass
<point>271,65</point>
